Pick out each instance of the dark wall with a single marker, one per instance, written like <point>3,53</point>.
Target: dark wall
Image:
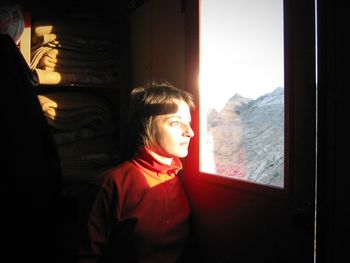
<point>333,132</point>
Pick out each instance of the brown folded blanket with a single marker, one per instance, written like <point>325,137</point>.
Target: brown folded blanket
<point>81,134</point>
<point>82,42</point>
<point>77,55</point>
<point>67,111</point>
<point>47,61</point>
<point>53,77</point>
<point>94,145</point>
<point>82,27</point>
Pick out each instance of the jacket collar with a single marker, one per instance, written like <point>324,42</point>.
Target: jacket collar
<point>144,158</point>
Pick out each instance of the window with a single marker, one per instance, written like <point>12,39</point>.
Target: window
<point>242,90</point>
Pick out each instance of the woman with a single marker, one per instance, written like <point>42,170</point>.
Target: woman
<point>138,211</point>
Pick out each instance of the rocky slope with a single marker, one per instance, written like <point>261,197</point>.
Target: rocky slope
<point>248,138</point>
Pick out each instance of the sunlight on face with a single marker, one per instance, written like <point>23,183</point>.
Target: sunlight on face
<point>173,132</point>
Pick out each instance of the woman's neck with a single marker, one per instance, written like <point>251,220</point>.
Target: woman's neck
<point>160,158</point>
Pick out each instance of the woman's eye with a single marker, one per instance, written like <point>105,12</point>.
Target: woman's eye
<point>174,123</point>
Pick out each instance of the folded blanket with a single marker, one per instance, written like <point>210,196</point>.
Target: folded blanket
<point>82,42</point>
<point>67,111</point>
<point>76,55</point>
<point>113,72</point>
<point>94,145</point>
<point>82,27</point>
<point>68,45</point>
<point>47,105</point>
<point>47,61</point>
<point>75,100</point>
<point>53,77</point>
<point>82,134</point>
<point>76,52</point>
<point>37,55</point>
<point>67,51</point>
<point>85,168</point>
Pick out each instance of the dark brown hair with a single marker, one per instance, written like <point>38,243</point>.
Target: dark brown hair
<point>148,101</point>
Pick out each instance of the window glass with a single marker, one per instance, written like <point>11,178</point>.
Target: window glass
<point>242,90</point>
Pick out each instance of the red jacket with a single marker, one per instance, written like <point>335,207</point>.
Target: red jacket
<point>136,212</point>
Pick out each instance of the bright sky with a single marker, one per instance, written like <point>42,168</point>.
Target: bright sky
<point>241,49</point>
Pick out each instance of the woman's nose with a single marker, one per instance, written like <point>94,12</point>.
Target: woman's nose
<point>188,131</point>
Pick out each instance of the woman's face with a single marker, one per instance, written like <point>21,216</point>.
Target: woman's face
<point>173,132</point>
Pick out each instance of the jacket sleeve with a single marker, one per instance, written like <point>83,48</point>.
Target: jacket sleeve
<point>96,210</point>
